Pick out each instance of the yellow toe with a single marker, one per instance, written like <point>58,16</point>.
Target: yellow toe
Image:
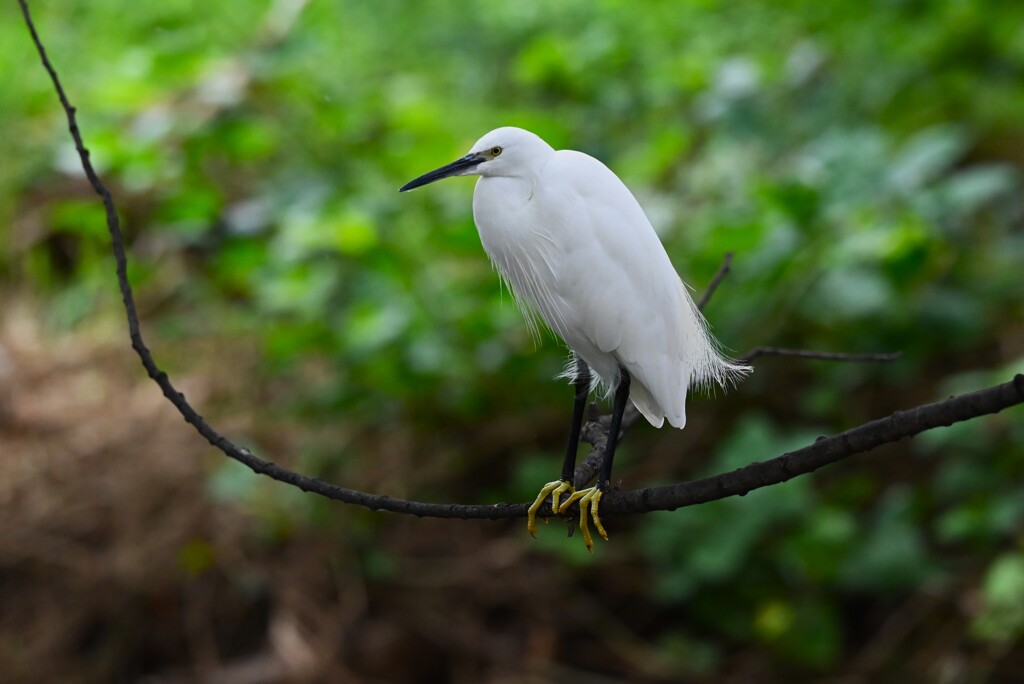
<point>554,490</point>
<point>590,501</point>
<point>595,501</point>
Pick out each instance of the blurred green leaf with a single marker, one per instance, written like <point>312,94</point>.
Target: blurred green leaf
<point>893,555</point>
<point>1001,619</point>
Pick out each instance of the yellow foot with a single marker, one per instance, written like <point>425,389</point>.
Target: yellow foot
<point>589,500</point>
<point>555,491</point>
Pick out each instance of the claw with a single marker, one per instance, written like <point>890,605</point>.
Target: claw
<point>554,490</point>
<point>590,500</point>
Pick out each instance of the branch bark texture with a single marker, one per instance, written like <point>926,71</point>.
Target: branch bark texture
<point>760,474</point>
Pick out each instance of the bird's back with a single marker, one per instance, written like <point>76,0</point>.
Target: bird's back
<point>576,247</point>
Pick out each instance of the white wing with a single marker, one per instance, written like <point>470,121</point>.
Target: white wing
<point>620,299</point>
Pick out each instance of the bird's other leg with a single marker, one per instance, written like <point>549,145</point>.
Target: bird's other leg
<point>621,398</point>
<point>556,489</point>
<point>590,499</point>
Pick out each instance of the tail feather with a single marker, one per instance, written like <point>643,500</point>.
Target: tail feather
<point>648,407</point>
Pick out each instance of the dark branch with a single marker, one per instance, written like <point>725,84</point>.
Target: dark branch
<point>719,276</point>
<point>595,433</point>
<point>824,356</point>
<point>824,451</point>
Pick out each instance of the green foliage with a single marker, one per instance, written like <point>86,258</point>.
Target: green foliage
<point>1001,619</point>
<point>862,161</point>
<point>714,542</point>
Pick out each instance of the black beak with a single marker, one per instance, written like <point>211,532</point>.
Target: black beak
<point>467,162</point>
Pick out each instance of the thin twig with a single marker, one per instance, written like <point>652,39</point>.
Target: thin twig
<point>819,355</point>
<point>739,482</point>
<point>719,276</point>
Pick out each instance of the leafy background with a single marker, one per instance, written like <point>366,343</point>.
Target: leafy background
<point>863,160</point>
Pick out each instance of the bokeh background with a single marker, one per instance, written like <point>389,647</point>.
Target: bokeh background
<point>863,160</point>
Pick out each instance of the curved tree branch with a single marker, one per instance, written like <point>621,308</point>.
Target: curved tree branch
<point>762,474</point>
<point>824,451</point>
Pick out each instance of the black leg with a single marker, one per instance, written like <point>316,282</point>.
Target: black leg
<point>582,384</point>
<point>621,396</point>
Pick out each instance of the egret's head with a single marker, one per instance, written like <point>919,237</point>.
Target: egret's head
<point>502,152</point>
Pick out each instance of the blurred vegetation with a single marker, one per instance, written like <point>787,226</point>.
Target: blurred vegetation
<point>863,160</point>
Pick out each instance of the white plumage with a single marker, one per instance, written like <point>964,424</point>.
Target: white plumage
<point>576,249</point>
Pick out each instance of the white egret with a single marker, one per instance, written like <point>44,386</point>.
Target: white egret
<point>578,252</point>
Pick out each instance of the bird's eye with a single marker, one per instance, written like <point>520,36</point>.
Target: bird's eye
<point>495,151</point>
